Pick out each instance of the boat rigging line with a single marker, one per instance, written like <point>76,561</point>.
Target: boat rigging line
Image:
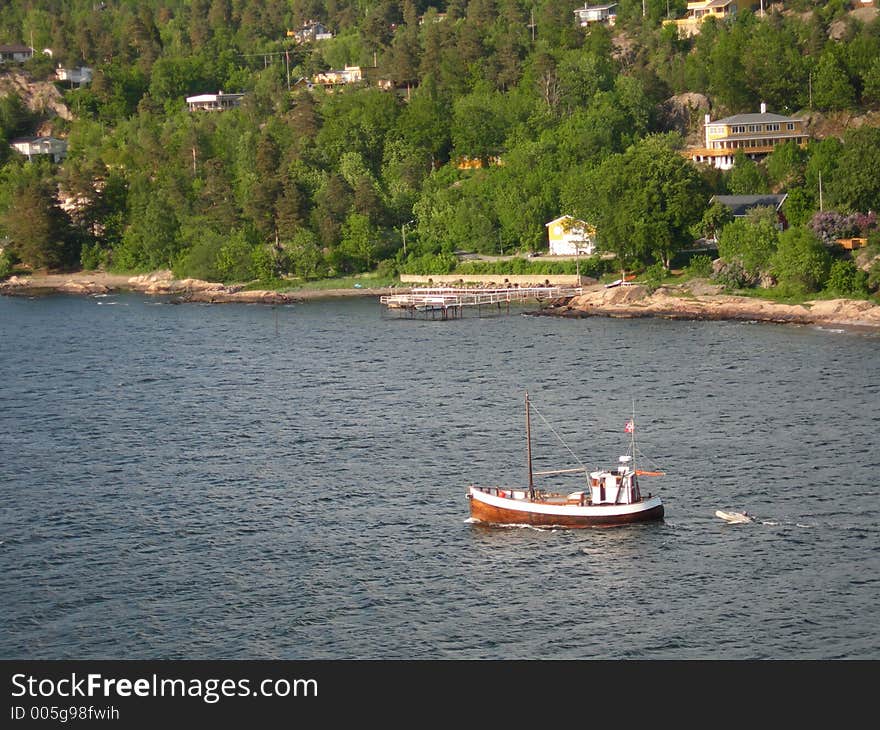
<point>584,467</point>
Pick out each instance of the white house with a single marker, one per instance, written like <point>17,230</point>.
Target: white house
<point>569,237</point>
<point>338,77</point>
<point>311,30</point>
<point>589,14</point>
<point>79,75</point>
<point>31,146</point>
<point>213,102</point>
<point>15,53</point>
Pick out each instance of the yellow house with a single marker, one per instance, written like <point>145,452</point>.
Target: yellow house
<point>569,237</point>
<point>755,134</point>
<point>698,11</point>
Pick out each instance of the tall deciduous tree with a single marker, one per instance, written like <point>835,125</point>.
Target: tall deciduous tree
<point>644,201</point>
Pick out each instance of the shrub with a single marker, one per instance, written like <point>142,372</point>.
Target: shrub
<point>93,257</point>
<point>801,262</point>
<point>845,279</point>
<point>700,266</point>
<point>6,264</point>
<point>732,275</point>
<point>654,276</point>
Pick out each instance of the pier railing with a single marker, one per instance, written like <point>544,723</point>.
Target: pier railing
<point>445,298</point>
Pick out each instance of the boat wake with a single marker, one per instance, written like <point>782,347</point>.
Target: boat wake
<point>511,525</point>
<point>742,518</point>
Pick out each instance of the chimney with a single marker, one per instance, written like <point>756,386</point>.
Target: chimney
<point>763,108</point>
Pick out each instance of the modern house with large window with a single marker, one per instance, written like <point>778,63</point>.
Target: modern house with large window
<point>213,102</point>
<point>756,135</point>
<point>590,14</point>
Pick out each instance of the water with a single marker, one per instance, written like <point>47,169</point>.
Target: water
<point>236,482</point>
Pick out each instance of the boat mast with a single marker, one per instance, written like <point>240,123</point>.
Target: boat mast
<point>529,449</point>
<point>632,443</point>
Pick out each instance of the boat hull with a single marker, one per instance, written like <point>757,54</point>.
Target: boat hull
<point>494,510</point>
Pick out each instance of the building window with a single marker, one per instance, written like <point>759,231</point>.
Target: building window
<point>790,126</point>
<point>772,127</point>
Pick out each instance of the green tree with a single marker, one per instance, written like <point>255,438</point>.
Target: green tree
<point>38,229</point>
<point>845,279</point>
<point>801,262</point>
<point>856,181</point>
<point>359,246</point>
<point>746,177</point>
<point>305,255</point>
<point>478,125</point>
<point>715,217</point>
<point>800,205</point>
<point>832,88</point>
<point>751,244</point>
<point>643,202</point>
<point>786,164</point>
<point>871,83</point>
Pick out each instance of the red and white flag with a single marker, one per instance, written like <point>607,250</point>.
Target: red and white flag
<point>630,427</point>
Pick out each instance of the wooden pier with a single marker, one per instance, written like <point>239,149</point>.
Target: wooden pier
<point>452,302</point>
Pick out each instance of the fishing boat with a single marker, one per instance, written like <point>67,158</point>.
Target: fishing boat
<point>610,497</point>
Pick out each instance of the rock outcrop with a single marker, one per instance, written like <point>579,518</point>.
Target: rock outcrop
<point>682,303</point>
<point>41,97</point>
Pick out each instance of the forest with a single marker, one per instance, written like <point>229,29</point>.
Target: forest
<point>476,123</point>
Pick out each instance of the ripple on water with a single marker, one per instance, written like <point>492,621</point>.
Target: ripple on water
<point>183,482</point>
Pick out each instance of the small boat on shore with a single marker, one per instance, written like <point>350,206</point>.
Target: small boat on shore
<point>610,497</point>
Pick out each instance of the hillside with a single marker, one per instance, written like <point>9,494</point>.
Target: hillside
<point>407,132</point>
<point>42,98</point>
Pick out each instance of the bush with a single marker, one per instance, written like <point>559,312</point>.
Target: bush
<point>732,275</point>
<point>235,261</point>
<point>845,279</point>
<point>6,264</point>
<point>751,244</point>
<point>801,262</point>
<point>654,276</point>
<point>93,257</point>
<point>874,276</point>
<point>700,266</point>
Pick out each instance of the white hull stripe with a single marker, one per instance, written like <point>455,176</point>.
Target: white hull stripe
<point>570,510</point>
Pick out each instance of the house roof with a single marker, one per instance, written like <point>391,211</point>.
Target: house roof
<point>704,5</point>
<point>31,140</point>
<point>14,48</point>
<point>740,204</point>
<point>212,97</point>
<point>753,119</point>
<point>607,6</point>
<point>564,218</point>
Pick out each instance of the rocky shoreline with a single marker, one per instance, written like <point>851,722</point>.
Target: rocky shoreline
<point>685,303</point>
<point>163,283</point>
<point>693,301</point>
